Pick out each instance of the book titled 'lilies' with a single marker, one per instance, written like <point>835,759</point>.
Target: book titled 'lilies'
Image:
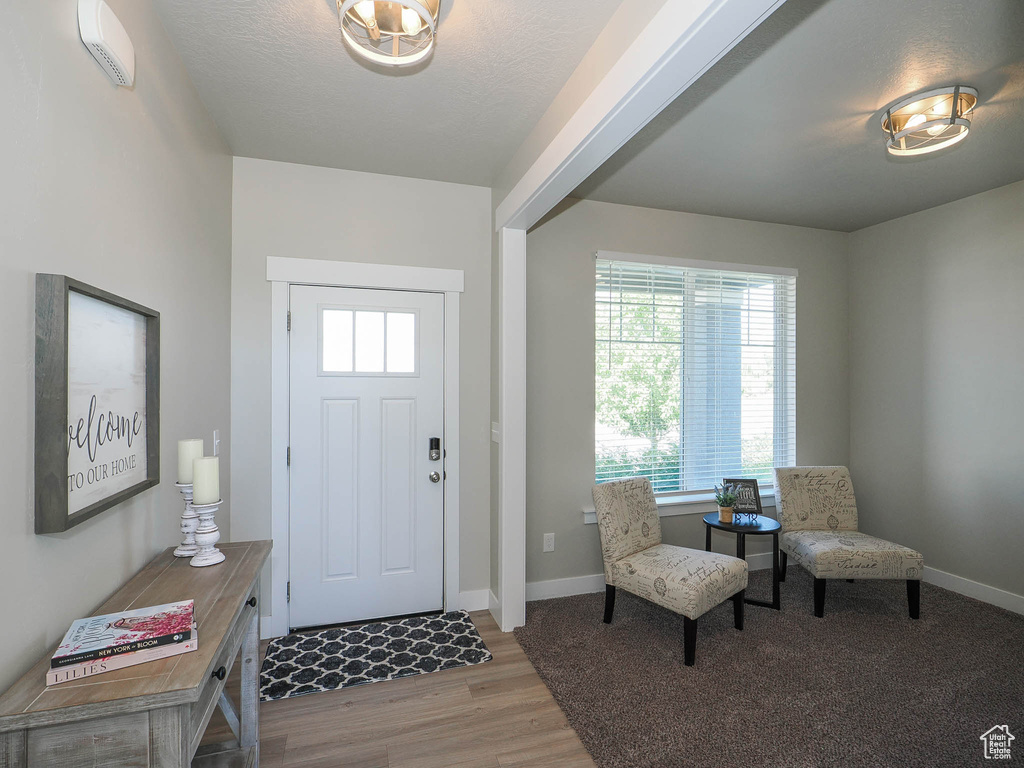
<point>83,669</point>
<point>103,636</point>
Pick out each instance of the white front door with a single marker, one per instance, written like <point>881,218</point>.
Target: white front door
<point>366,507</point>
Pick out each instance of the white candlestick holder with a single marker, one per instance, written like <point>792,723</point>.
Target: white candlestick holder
<point>207,536</point>
<point>189,523</point>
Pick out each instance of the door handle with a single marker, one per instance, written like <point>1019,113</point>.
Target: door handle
<point>435,477</point>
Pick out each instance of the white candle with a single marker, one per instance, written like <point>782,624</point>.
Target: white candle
<point>188,451</point>
<point>206,480</point>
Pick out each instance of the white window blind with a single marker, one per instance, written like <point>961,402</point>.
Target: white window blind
<point>696,374</point>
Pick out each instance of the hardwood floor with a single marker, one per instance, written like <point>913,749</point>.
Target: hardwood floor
<point>494,715</point>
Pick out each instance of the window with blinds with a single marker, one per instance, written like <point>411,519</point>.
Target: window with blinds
<point>696,373</point>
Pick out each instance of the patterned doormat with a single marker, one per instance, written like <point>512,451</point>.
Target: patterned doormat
<point>311,662</point>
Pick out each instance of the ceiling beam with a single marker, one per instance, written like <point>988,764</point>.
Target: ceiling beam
<point>683,40</point>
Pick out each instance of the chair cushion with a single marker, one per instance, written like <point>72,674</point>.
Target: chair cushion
<point>627,518</point>
<point>687,581</point>
<point>815,498</point>
<point>851,555</point>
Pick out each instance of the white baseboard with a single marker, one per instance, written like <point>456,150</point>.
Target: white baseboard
<point>992,595</point>
<point>575,585</point>
<point>582,585</point>
<point>267,628</point>
<point>494,606</point>
<point>759,562</point>
<point>486,600</point>
<point>474,600</point>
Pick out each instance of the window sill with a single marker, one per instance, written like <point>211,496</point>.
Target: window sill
<point>690,504</point>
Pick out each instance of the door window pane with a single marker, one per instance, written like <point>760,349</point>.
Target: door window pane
<point>369,342</point>
<point>337,340</point>
<point>401,350</point>
<point>358,341</point>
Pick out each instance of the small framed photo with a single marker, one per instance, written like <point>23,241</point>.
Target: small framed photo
<point>97,401</point>
<point>748,497</point>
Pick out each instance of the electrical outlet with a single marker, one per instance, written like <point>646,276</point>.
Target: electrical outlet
<point>549,542</point>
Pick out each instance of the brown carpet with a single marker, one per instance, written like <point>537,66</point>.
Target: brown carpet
<point>864,686</point>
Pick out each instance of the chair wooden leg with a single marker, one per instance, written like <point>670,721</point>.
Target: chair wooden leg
<point>819,597</point>
<point>737,608</point>
<point>689,640</point>
<point>609,603</point>
<point>914,598</point>
<point>782,566</point>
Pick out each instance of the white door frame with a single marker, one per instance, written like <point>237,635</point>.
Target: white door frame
<point>282,273</point>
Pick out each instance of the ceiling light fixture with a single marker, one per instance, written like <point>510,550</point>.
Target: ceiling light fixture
<point>396,33</point>
<point>929,121</point>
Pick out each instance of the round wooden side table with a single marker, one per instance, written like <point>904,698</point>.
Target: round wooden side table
<point>759,526</point>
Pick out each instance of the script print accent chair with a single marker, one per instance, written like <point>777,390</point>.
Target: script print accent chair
<point>689,582</point>
<point>818,513</point>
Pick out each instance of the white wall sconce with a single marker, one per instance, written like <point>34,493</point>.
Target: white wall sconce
<point>395,33</point>
<point>929,121</point>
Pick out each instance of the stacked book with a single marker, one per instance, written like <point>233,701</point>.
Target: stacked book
<point>105,643</point>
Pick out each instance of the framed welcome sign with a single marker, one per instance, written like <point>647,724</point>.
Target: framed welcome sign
<point>97,401</point>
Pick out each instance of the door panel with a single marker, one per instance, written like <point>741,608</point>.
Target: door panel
<point>398,485</point>
<point>367,394</point>
<point>340,518</point>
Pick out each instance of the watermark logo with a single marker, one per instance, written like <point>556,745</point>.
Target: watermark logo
<point>997,742</point>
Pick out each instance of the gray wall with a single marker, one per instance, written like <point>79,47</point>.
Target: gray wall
<point>129,190</point>
<point>560,354</point>
<point>937,376</point>
<point>301,211</point>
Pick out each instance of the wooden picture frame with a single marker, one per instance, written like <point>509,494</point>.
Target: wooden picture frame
<point>748,496</point>
<point>89,340</point>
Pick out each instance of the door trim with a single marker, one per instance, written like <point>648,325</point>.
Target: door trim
<point>282,273</point>
<point>352,274</point>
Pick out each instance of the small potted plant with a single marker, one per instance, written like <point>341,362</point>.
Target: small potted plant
<point>725,496</point>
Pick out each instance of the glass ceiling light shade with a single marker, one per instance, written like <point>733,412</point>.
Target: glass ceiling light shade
<point>394,33</point>
<point>929,121</point>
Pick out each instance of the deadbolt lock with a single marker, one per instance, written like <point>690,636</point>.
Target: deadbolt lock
<point>435,477</point>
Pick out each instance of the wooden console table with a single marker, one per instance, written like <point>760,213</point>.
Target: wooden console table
<point>153,714</point>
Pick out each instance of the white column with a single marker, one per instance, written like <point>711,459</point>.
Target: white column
<point>512,452</point>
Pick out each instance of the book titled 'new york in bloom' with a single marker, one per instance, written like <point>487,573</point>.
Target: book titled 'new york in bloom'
<point>126,632</point>
<point>83,669</point>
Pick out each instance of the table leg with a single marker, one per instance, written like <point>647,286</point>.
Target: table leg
<point>776,597</point>
<point>741,552</point>
<point>14,749</point>
<point>250,709</point>
<point>707,538</point>
<point>169,737</point>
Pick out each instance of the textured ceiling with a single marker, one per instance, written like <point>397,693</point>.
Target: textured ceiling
<point>281,85</point>
<point>786,127</point>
